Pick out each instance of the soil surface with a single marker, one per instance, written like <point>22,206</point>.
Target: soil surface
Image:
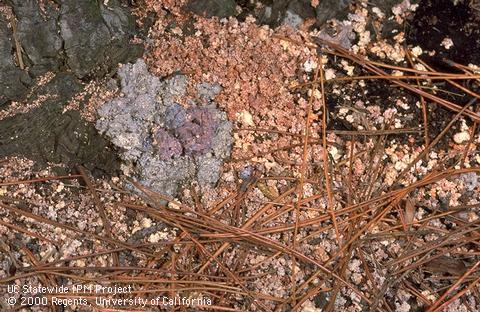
<point>436,21</point>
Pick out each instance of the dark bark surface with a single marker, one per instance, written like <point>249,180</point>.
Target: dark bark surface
<point>46,134</point>
<point>78,41</point>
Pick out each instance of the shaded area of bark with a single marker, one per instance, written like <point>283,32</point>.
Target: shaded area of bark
<point>78,41</point>
<point>46,134</point>
<point>88,38</point>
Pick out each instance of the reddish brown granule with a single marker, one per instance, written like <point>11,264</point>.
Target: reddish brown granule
<point>27,105</point>
<point>6,12</point>
<point>255,66</point>
<point>166,11</point>
<point>250,62</point>
<point>173,6</point>
<point>96,93</point>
